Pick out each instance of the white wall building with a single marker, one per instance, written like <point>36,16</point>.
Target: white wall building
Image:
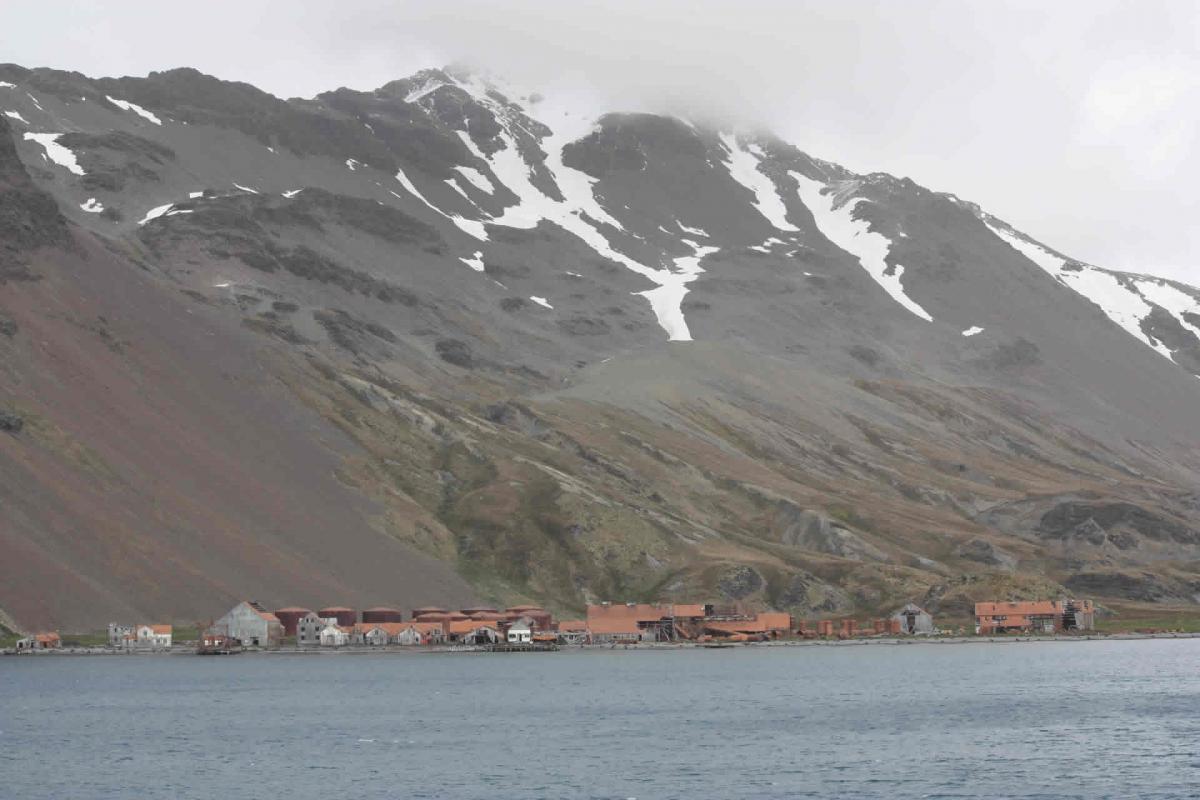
<point>334,636</point>
<point>521,631</point>
<point>154,635</point>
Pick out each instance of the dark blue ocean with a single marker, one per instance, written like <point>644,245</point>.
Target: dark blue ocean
<point>1116,719</point>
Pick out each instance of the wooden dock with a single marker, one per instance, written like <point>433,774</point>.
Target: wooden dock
<point>534,647</point>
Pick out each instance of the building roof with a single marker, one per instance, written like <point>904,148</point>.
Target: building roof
<point>688,610</point>
<point>293,610</point>
<point>625,614</point>
<point>1018,607</point>
<point>158,629</point>
<point>469,625</point>
<point>614,626</point>
<point>390,628</point>
<point>50,636</point>
<point>572,625</point>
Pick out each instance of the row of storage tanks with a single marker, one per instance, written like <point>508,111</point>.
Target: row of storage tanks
<point>347,617</point>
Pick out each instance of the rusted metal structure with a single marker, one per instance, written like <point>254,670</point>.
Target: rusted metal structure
<point>382,614</point>
<point>346,617</point>
<point>289,617</point>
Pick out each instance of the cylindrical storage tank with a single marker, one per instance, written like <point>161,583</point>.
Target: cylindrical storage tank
<point>382,614</point>
<point>289,616</point>
<point>455,616</point>
<point>432,616</point>
<point>475,610</point>
<point>346,617</point>
<point>488,616</point>
<point>417,612</point>
<point>522,609</point>
<point>880,626</point>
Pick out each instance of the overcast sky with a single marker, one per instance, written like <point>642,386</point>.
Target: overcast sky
<point>1075,121</point>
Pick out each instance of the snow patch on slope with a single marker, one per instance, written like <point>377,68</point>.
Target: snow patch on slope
<point>155,213</point>
<point>1175,302</point>
<point>16,115</point>
<point>92,206</point>
<point>743,168</point>
<point>579,212</point>
<point>473,227</point>
<point>56,152</point>
<point>541,301</point>
<point>475,262</point>
<point>125,105</point>
<point>855,237</point>
<point>477,178</point>
<point>1122,303</point>
<point>576,187</point>
<point>5,85</point>
<point>667,300</point>
<point>972,331</point>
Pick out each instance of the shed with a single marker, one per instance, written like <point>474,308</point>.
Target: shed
<point>914,620</point>
<point>250,624</point>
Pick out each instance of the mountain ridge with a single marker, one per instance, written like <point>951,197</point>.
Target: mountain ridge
<point>634,357</point>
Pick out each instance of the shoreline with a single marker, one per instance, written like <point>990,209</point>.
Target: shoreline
<point>354,650</point>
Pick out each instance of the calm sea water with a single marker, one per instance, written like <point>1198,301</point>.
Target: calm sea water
<point>1050,720</point>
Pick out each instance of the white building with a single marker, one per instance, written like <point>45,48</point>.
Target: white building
<point>521,631</point>
<point>334,636</point>
<point>250,624</point>
<point>408,636</point>
<point>309,627</point>
<point>120,635</point>
<point>154,635</point>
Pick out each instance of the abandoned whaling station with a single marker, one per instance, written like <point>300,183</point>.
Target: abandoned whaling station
<point>250,626</point>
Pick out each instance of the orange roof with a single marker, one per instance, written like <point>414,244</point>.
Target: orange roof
<point>159,629</point>
<point>643,612</point>
<point>46,637</point>
<point>468,625</point>
<point>613,626</point>
<point>1017,607</point>
<point>293,610</point>
<point>626,614</point>
<point>572,625</point>
<point>426,627</point>
<point>689,610</point>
